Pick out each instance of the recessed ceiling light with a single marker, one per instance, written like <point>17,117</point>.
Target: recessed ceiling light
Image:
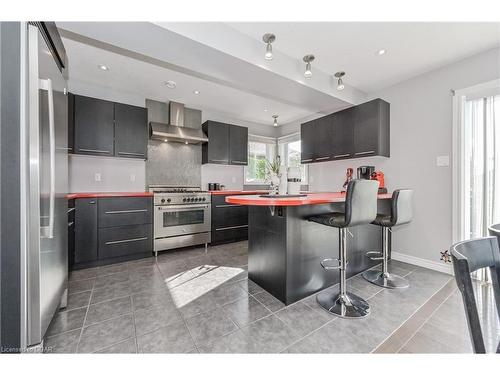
<point>269,38</point>
<point>308,59</point>
<point>340,83</point>
<point>275,121</point>
<point>381,52</point>
<point>166,140</point>
<point>265,109</point>
<point>187,142</point>
<point>196,92</point>
<point>170,84</point>
<point>103,67</point>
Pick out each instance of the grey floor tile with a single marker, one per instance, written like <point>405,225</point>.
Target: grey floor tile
<point>125,347</point>
<point>150,320</point>
<point>236,273</point>
<point>87,273</point>
<point>268,300</point>
<point>172,267</point>
<point>80,286</point>
<point>67,321</point>
<point>111,292</point>
<point>246,310</point>
<point>111,269</point>
<point>147,284</point>
<point>314,305</point>
<point>267,335</point>
<point>365,289</point>
<point>148,300</point>
<point>194,303</point>
<point>101,335</point>
<point>301,318</point>
<point>62,343</point>
<point>76,300</point>
<point>174,338</point>
<point>227,293</point>
<point>209,326</point>
<point>141,263</point>
<point>250,286</point>
<point>179,279</point>
<point>110,280</point>
<point>107,310</point>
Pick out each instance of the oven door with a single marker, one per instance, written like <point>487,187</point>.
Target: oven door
<point>177,220</point>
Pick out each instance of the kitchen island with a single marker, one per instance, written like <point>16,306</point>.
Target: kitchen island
<point>285,250</point>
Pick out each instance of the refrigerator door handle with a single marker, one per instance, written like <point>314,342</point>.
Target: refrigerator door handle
<point>48,231</point>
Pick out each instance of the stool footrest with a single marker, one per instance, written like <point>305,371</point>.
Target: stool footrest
<point>325,264</point>
<point>375,255</point>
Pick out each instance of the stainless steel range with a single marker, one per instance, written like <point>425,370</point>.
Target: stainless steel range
<point>182,217</point>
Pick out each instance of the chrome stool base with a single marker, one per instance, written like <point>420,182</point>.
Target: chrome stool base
<point>349,306</point>
<point>387,281</point>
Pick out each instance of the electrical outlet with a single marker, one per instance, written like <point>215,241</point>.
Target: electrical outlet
<point>132,177</point>
<point>443,161</point>
<point>97,176</point>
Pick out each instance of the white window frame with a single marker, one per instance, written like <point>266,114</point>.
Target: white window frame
<point>259,139</point>
<point>288,139</point>
<point>458,162</point>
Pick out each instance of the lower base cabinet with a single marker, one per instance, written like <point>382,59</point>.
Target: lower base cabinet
<point>110,230</point>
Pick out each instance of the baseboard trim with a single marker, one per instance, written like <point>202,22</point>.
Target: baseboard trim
<point>436,266</point>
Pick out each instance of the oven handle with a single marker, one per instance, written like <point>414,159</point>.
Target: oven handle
<point>184,207</point>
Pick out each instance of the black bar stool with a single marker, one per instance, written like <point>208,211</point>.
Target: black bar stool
<point>401,213</point>
<point>360,208</point>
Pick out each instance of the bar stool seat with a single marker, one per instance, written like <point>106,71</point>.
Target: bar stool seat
<point>401,213</point>
<point>360,208</point>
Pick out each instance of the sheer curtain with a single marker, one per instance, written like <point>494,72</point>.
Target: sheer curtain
<point>482,165</point>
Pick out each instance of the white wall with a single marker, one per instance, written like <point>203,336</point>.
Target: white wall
<point>421,130</point>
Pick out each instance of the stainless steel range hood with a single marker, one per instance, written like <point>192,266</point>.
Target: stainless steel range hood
<point>175,131</point>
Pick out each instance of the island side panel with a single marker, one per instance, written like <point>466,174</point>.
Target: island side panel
<point>267,249</point>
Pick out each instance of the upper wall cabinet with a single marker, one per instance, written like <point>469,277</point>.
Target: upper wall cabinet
<point>131,131</point>
<point>227,144</point>
<point>358,131</point>
<point>106,128</point>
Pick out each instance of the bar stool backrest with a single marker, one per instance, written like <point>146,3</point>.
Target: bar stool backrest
<point>402,206</point>
<point>361,202</point>
<point>469,256</point>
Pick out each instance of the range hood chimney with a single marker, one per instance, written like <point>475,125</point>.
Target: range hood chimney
<point>175,131</point>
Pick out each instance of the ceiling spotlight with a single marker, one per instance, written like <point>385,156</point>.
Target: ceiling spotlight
<point>308,59</point>
<point>103,67</point>
<point>275,121</point>
<point>268,38</point>
<point>196,92</point>
<point>381,52</point>
<point>265,109</point>
<point>186,142</point>
<point>166,140</point>
<point>340,83</point>
<point>170,84</point>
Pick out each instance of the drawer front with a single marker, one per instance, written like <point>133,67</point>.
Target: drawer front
<point>229,216</point>
<point>114,212</point>
<point>225,235</point>
<point>218,200</point>
<point>120,241</point>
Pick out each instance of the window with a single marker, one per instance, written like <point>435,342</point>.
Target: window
<point>289,149</point>
<point>260,149</point>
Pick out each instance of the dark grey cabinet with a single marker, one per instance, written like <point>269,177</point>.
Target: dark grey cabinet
<point>85,225</point>
<point>238,145</point>
<point>71,122</point>
<point>229,221</point>
<point>227,144</point>
<point>110,230</point>
<point>94,126</point>
<point>131,131</point>
<point>105,128</point>
<point>359,131</point>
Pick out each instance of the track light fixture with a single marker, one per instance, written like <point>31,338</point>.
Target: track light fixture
<point>308,59</point>
<point>275,121</point>
<point>268,38</point>
<point>340,83</point>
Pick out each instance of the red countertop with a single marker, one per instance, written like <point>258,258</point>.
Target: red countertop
<point>310,198</point>
<point>237,192</point>
<point>109,194</point>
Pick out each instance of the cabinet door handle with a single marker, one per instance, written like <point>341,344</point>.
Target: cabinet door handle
<point>305,160</point>
<point>123,241</point>
<point>235,227</point>
<point>91,150</point>
<point>364,153</point>
<point>219,160</point>
<point>238,161</point>
<point>323,158</point>
<point>71,209</point>
<point>125,211</point>
<point>342,155</point>
<point>70,223</point>
<point>92,202</point>
<point>228,205</point>
<point>130,153</point>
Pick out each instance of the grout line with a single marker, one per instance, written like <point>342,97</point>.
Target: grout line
<point>84,319</point>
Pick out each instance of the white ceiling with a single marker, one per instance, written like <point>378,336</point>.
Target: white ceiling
<point>412,48</point>
<point>146,80</point>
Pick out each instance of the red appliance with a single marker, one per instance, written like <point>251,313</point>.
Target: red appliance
<point>379,176</point>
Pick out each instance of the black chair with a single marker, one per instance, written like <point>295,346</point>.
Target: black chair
<point>470,256</point>
<point>401,213</point>
<point>360,208</point>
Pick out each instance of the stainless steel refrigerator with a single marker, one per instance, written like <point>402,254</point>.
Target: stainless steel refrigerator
<point>45,187</point>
